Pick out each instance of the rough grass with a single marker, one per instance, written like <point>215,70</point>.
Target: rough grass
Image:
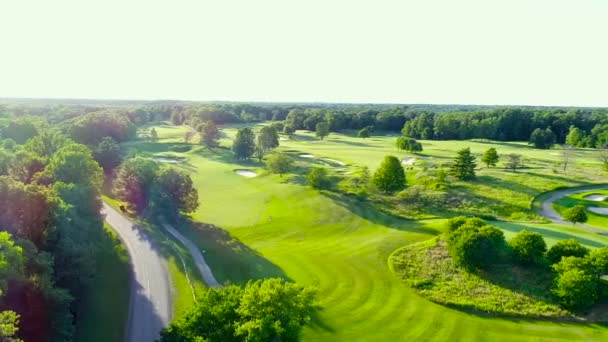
<point>277,226</point>
<point>505,289</point>
<point>105,307</point>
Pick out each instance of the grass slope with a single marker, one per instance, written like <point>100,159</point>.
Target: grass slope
<point>105,308</point>
<point>280,228</point>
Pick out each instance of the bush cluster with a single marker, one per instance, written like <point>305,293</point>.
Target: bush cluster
<point>577,272</point>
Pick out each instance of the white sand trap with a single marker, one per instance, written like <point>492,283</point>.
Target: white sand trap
<point>601,211</point>
<point>595,197</point>
<point>306,156</point>
<point>167,160</point>
<point>245,173</point>
<point>283,139</point>
<point>337,162</point>
<point>408,161</point>
<point>555,154</point>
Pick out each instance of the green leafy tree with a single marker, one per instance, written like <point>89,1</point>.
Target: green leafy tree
<point>244,144</point>
<point>174,190</point>
<point>267,139</point>
<point>475,244</point>
<point>528,247</point>
<point>542,139</point>
<point>408,144</point>
<point>134,180</point>
<point>490,157</point>
<point>575,289</point>
<point>318,178</point>
<point>74,163</point>
<point>288,129</point>
<point>279,163</point>
<point>210,135</point>
<point>363,133</point>
<point>26,165</point>
<point>107,154</point>
<point>576,214</point>
<point>9,326</point>
<point>575,136</point>
<point>598,259</point>
<point>390,176</point>
<point>564,248</point>
<point>262,310</point>
<point>464,165</point>
<point>322,130</point>
<point>11,260</point>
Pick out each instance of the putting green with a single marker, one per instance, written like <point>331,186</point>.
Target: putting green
<point>340,246</point>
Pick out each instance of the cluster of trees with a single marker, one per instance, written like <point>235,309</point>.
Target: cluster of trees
<point>143,183</point>
<point>577,272</point>
<point>262,310</point>
<point>50,222</point>
<point>247,143</point>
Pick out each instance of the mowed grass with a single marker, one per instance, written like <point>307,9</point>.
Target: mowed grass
<point>104,310</point>
<point>275,227</point>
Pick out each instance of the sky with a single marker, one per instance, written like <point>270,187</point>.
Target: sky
<point>511,52</point>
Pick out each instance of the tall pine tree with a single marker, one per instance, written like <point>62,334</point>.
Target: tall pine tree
<point>464,165</point>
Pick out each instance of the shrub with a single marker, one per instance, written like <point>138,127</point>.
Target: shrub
<point>566,248</point>
<point>390,176</point>
<point>318,178</point>
<point>475,244</point>
<point>528,247</point>
<point>598,259</point>
<point>576,214</point>
<point>575,289</point>
<point>571,262</point>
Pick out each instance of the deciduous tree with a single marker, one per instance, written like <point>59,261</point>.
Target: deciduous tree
<point>244,144</point>
<point>390,176</point>
<point>490,157</point>
<point>576,214</point>
<point>279,163</point>
<point>322,130</point>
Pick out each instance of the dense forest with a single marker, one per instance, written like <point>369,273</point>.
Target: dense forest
<point>429,122</point>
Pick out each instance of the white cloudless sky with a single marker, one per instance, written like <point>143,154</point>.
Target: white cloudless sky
<point>535,52</point>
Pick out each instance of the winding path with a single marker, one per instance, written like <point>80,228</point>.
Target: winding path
<point>150,290</point>
<point>197,256</point>
<point>548,212</point>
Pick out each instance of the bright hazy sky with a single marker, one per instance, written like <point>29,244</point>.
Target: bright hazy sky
<point>537,52</point>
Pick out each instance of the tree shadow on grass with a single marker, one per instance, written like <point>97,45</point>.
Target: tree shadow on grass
<point>231,260</point>
<point>560,178</point>
<point>371,214</point>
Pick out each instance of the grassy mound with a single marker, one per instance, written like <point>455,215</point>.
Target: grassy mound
<point>507,290</point>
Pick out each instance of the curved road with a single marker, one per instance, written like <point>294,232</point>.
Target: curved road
<point>150,290</point>
<point>548,212</point>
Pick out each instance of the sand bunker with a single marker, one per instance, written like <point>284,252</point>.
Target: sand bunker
<point>595,197</point>
<point>167,160</point>
<point>283,139</point>
<point>601,211</point>
<point>245,173</point>
<point>306,156</point>
<point>408,161</point>
<point>337,162</point>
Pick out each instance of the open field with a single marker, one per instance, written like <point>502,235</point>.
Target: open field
<point>272,226</point>
<point>104,310</point>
